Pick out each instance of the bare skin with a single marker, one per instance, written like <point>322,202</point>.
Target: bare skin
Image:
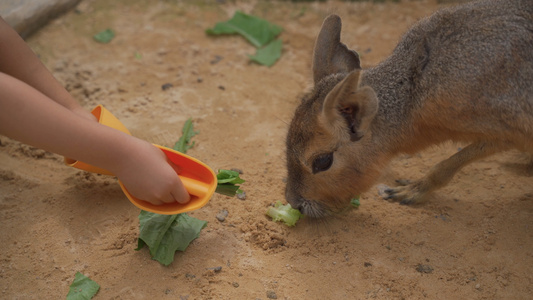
<point>37,110</point>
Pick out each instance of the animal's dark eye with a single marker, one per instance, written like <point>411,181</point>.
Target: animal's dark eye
<point>322,162</point>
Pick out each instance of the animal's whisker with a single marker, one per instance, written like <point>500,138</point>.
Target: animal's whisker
<point>279,119</point>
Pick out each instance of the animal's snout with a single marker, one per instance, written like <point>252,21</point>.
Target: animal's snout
<point>307,207</point>
<point>295,200</point>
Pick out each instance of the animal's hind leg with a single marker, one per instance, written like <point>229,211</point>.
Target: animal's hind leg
<point>440,174</point>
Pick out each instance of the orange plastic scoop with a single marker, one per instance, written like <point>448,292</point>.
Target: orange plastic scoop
<point>199,180</point>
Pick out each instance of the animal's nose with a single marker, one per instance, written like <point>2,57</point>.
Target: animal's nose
<point>293,199</point>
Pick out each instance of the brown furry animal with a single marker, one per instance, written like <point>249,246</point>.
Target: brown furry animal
<point>464,74</point>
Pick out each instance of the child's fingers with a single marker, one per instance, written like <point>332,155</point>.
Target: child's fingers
<point>168,199</point>
<point>156,202</point>
<point>180,194</point>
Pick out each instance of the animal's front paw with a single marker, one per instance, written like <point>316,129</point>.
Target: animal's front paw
<point>407,193</point>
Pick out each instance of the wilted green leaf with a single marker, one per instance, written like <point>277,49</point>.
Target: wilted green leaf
<point>184,143</point>
<point>82,288</point>
<point>269,54</point>
<point>105,36</point>
<point>164,235</point>
<point>257,31</point>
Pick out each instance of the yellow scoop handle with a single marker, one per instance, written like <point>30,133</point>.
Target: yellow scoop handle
<point>194,187</point>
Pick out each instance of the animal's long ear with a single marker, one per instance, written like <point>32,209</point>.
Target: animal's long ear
<point>349,109</point>
<point>330,55</point>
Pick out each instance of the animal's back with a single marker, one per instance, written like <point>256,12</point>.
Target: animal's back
<point>471,70</point>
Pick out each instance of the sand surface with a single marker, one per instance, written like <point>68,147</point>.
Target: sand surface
<point>472,240</point>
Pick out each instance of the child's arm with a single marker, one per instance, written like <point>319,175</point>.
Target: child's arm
<point>30,117</point>
<point>19,61</point>
<point>35,109</point>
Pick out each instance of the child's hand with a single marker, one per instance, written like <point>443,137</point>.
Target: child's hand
<point>151,177</point>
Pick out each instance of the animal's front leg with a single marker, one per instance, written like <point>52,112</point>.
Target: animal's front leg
<point>440,174</point>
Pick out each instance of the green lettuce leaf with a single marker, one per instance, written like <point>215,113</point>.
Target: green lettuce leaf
<point>269,54</point>
<point>355,202</point>
<point>227,181</point>
<point>82,288</point>
<point>284,213</point>
<point>229,176</point>
<point>257,31</point>
<point>164,235</point>
<point>105,36</point>
<point>228,190</point>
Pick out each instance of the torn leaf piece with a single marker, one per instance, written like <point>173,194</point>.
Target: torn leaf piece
<point>284,213</point>
<point>166,234</point>
<point>257,31</point>
<point>105,36</point>
<point>228,181</point>
<point>269,54</point>
<point>82,288</point>
<point>355,202</point>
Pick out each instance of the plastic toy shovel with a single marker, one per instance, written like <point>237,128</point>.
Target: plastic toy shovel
<point>199,180</point>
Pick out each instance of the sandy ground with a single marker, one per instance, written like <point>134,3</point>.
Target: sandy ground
<point>473,240</point>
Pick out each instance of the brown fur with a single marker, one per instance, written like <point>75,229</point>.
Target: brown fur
<point>464,74</point>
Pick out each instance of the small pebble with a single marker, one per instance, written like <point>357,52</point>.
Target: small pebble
<point>166,86</point>
<point>235,284</point>
<point>221,216</point>
<point>216,59</point>
<point>381,189</point>
<point>272,295</point>
<point>237,170</point>
<point>242,196</point>
<point>424,269</point>
<point>216,269</point>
